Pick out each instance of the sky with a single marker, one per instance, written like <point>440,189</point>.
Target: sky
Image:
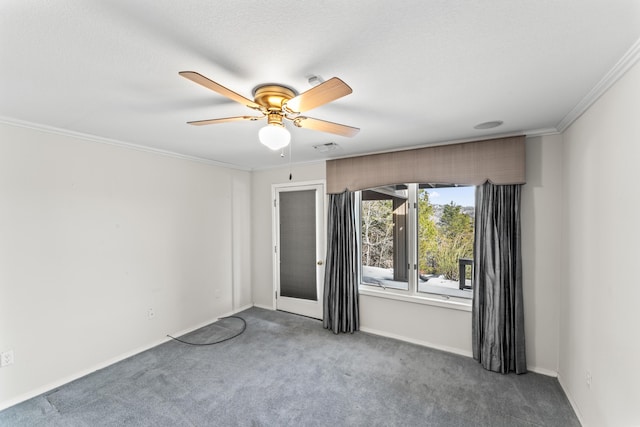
<point>463,196</point>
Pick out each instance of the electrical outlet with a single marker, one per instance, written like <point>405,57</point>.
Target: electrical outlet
<point>6,358</point>
<point>151,314</point>
<point>588,379</point>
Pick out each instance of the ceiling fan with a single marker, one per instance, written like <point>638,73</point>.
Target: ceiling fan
<point>278,102</point>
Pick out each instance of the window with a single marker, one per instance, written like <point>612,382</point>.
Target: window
<point>418,238</point>
<point>384,237</point>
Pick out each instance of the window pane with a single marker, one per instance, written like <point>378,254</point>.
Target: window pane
<point>384,237</point>
<point>445,239</point>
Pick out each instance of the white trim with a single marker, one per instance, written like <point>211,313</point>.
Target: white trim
<point>266,307</point>
<point>543,371</point>
<point>627,61</point>
<point>535,369</point>
<point>418,342</point>
<point>275,265</point>
<point>65,380</point>
<point>303,307</point>
<point>114,142</point>
<point>238,310</point>
<point>231,249</point>
<point>438,302</point>
<point>572,401</point>
<point>322,182</point>
<point>541,132</point>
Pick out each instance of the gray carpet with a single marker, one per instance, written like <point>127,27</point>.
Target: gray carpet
<point>286,370</point>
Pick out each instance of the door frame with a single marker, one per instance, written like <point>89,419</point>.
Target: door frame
<point>309,308</point>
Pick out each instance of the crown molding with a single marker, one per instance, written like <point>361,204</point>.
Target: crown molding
<point>127,145</point>
<point>541,132</point>
<point>627,61</point>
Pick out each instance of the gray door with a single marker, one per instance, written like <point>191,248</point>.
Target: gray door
<point>299,249</point>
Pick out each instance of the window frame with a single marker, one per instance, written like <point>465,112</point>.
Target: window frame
<point>411,294</point>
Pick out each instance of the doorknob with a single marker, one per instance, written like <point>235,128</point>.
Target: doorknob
<point>320,262</point>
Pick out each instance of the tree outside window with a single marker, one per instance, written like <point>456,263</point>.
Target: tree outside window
<point>444,236</point>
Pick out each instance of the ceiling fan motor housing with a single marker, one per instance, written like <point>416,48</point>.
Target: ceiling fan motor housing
<point>273,97</point>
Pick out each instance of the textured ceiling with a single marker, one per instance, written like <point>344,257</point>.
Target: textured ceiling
<point>422,72</point>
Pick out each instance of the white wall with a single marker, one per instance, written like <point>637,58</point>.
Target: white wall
<point>92,236</point>
<point>599,307</point>
<point>241,239</point>
<point>541,251</point>
<point>440,327</point>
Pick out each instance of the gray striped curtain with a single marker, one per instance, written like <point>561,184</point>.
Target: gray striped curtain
<point>341,312</point>
<point>498,316</point>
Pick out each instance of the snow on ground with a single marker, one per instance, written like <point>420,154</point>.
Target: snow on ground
<point>436,284</point>
<point>384,276</point>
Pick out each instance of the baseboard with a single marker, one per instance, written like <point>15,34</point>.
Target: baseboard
<point>418,342</point>
<point>264,306</point>
<point>535,369</point>
<point>572,401</point>
<point>453,350</point>
<point>238,310</point>
<point>542,371</point>
<point>65,380</point>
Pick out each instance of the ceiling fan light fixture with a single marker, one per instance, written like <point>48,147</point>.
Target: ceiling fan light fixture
<point>275,136</point>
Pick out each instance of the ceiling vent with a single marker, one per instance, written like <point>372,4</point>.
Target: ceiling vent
<point>324,148</point>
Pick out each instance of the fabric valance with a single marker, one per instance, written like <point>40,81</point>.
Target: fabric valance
<point>499,161</point>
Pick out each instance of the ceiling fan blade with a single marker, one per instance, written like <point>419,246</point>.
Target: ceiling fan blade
<point>325,126</point>
<point>324,93</point>
<point>223,120</point>
<point>216,87</point>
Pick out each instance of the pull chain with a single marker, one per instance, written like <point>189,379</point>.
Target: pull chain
<point>290,157</point>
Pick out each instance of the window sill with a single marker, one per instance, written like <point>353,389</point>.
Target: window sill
<point>435,300</point>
